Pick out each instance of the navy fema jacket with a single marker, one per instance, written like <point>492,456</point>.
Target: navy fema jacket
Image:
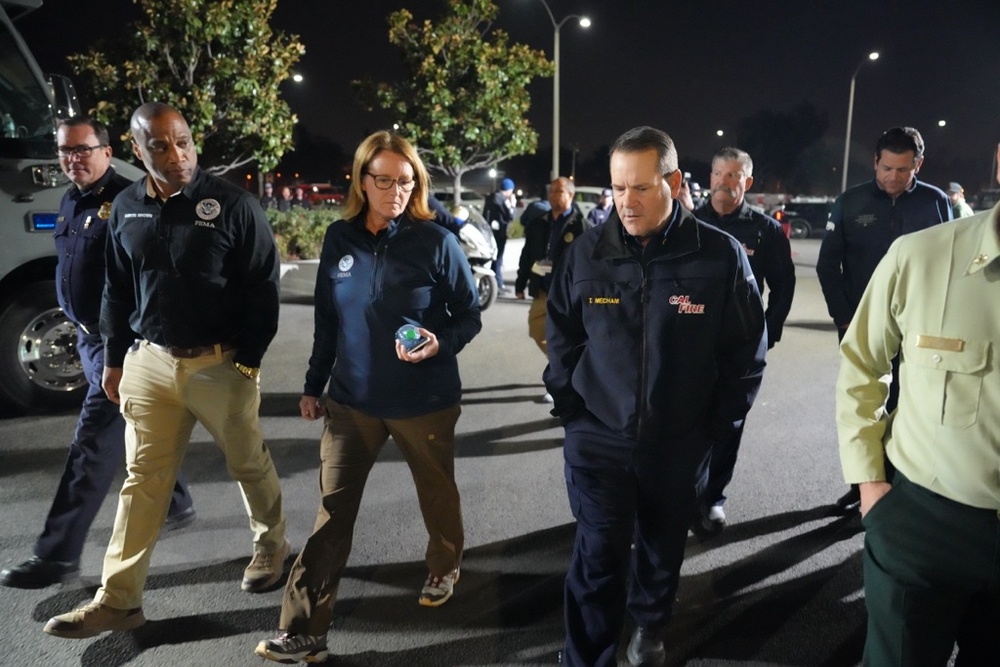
<point>368,286</point>
<point>663,345</point>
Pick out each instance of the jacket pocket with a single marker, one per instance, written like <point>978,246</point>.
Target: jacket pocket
<point>951,379</point>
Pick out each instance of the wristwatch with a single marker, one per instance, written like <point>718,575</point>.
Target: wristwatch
<point>249,372</point>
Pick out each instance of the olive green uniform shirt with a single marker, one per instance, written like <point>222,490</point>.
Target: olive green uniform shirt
<point>934,298</point>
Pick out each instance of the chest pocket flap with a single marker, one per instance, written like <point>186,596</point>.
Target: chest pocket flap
<point>951,371</point>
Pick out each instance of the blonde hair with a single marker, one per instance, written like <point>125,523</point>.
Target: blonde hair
<point>417,207</point>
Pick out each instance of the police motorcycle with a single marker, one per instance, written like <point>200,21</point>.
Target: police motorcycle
<point>480,248</point>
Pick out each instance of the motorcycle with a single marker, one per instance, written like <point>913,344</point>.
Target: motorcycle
<point>476,239</point>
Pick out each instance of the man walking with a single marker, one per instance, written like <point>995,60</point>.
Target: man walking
<point>864,221</point>
<point>498,211</point>
<point>97,451</point>
<point>770,257</point>
<point>927,471</point>
<point>193,270</point>
<point>547,234</point>
<point>656,348</point>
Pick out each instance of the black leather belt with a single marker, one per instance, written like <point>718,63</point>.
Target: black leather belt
<point>194,352</point>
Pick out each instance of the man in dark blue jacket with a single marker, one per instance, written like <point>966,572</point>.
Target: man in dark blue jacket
<point>656,346</point>
<point>864,222</point>
<point>97,452</point>
<point>770,258</point>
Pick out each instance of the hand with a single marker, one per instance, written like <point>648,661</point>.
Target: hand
<point>871,493</point>
<point>310,408</point>
<point>110,379</point>
<point>426,351</point>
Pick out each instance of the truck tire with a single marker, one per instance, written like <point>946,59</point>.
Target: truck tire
<point>39,362</point>
<point>801,229</point>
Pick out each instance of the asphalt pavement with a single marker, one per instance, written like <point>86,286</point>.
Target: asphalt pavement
<point>781,586</point>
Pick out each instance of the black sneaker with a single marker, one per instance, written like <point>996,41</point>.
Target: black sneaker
<point>289,648</point>
<point>38,573</point>
<point>646,649</point>
<point>180,520</point>
<point>849,503</point>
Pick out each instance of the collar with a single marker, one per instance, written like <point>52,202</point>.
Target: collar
<point>96,189</point>
<point>679,237</point>
<point>188,190</point>
<point>989,246</point>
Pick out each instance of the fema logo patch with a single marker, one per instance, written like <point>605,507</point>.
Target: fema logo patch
<point>345,263</point>
<point>208,209</point>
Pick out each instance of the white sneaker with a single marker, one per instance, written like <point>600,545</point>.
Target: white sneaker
<point>547,398</point>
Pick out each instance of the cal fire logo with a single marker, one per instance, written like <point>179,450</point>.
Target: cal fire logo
<point>684,305</point>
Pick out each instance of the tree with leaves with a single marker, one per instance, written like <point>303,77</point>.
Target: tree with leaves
<point>217,61</point>
<point>463,95</point>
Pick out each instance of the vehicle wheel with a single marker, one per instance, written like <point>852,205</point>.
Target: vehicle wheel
<point>800,228</point>
<point>488,291</point>
<point>39,362</point>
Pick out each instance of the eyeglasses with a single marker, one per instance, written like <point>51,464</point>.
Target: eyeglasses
<point>78,151</point>
<point>385,182</point>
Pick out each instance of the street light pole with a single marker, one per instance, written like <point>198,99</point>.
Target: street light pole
<point>557,26</point>
<point>850,115</point>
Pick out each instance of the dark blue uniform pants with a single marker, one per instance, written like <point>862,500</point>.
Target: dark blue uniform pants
<point>95,455</point>
<point>724,454</point>
<point>932,578</point>
<point>618,498</point>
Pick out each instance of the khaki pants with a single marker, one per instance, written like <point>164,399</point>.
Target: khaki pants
<point>349,446</point>
<point>161,399</point>
<point>536,320</point>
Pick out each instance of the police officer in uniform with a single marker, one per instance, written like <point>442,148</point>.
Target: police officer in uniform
<point>770,258</point>
<point>98,448</point>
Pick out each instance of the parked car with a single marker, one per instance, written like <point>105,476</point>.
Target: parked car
<point>587,197</point>
<point>985,200</point>
<point>323,194</point>
<point>804,217</point>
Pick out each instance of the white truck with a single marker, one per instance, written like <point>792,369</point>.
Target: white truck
<point>39,364</point>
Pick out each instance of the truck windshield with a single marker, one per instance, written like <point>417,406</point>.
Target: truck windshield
<point>26,117</point>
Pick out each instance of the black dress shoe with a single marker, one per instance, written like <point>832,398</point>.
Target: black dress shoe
<point>646,649</point>
<point>180,520</point>
<point>850,502</point>
<point>38,573</point>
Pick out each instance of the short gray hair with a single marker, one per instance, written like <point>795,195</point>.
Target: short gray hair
<point>643,138</point>
<point>732,153</point>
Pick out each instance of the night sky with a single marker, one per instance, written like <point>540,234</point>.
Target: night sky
<point>688,67</point>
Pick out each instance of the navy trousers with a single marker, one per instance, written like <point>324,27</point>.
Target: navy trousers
<point>96,454</point>
<point>622,493</point>
<point>724,454</point>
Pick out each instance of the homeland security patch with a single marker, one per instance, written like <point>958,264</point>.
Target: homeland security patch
<point>208,209</point>
<point>345,264</point>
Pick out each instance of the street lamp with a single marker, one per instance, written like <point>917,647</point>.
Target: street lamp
<point>557,26</point>
<point>873,56</point>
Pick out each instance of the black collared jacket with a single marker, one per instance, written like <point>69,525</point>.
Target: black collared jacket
<point>665,347</point>
<point>864,221</point>
<point>198,269</point>
<point>80,235</point>
<point>770,257</point>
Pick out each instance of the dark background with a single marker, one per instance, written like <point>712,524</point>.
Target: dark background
<point>689,67</point>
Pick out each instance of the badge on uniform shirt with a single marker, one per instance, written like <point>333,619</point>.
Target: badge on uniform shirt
<point>208,209</point>
<point>105,211</point>
<point>568,237</point>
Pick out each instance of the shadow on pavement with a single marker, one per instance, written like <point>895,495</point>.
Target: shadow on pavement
<point>508,606</point>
